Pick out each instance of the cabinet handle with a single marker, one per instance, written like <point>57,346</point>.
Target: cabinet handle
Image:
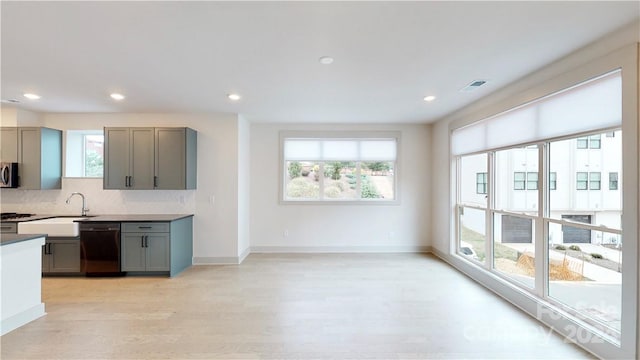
<point>126,181</point>
<point>144,227</point>
<point>6,227</point>
<point>50,251</point>
<point>130,181</point>
<point>155,181</point>
<point>142,241</point>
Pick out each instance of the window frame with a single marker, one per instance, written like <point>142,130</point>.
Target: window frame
<point>340,135</point>
<point>613,183</point>
<point>593,180</point>
<point>518,182</point>
<point>481,176</point>
<point>76,142</point>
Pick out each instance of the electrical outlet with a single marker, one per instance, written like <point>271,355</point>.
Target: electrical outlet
<point>285,233</point>
<point>212,199</point>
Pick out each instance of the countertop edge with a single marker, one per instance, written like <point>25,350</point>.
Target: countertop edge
<point>8,239</point>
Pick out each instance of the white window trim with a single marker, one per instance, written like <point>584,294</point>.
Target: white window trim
<point>83,154</point>
<point>341,135</point>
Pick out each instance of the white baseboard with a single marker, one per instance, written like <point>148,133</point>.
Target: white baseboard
<point>205,260</point>
<point>22,318</point>
<point>235,260</point>
<point>340,249</point>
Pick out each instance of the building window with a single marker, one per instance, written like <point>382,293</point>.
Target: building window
<point>481,183</point>
<point>339,169</point>
<point>532,181</point>
<point>519,180</point>
<point>583,142</point>
<point>582,180</point>
<point>553,180</point>
<point>84,153</point>
<point>589,142</point>
<point>613,181</point>
<point>594,181</point>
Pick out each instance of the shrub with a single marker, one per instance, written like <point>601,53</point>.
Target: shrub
<point>294,169</point>
<point>301,188</point>
<point>560,247</point>
<point>339,185</point>
<point>368,190</point>
<point>575,248</point>
<point>305,172</point>
<point>332,192</point>
<point>596,256</point>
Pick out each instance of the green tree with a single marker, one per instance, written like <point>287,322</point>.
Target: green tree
<point>336,167</point>
<point>93,164</point>
<point>294,169</point>
<point>377,167</point>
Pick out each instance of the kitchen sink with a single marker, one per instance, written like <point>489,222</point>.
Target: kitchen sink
<point>57,226</point>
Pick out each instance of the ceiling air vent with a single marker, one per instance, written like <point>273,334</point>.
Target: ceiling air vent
<point>475,84</point>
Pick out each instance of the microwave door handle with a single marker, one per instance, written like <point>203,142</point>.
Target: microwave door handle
<point>5,175</point>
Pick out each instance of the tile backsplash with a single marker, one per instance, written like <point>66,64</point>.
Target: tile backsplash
<point>99,201</point>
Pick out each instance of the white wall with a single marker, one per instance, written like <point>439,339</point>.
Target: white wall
<point>562,73</point>
<point>215,224</point>
<point>403,227</point>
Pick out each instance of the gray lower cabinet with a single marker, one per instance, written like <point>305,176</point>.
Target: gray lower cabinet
<point>146,247</point>
<point>61,256</point>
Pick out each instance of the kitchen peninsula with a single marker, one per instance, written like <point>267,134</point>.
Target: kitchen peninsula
<point>20,271</point>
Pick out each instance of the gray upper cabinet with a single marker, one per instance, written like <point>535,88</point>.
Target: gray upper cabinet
<point>129,158</point>
<point>175,158</point>
<point>9,144</point>
<point>150,158</point>
<point>38,152</point>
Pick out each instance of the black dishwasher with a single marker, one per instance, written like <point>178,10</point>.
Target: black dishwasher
<point>100,249</point>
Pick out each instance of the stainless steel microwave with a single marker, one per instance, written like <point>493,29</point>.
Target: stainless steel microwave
<point>8,174</point>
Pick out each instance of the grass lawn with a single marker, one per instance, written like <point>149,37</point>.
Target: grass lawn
<point>477,241</point>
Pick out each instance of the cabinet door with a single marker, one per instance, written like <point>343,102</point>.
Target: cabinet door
<point>65,256</point>
<point>116,158</point>
<point>170,158</point>
<point>9,144</point>
<point>29,158</point>
<point>158,252</point>
<point>133,252</point>
<point>142,158</point>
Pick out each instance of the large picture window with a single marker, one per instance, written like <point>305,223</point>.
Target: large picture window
<point>560,240</point>
<point>344,169</point>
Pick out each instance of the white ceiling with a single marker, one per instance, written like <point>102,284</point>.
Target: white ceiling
<point>187,56</point>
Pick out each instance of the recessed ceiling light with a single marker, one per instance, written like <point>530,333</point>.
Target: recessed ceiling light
<point>429,98</point>
<point>32,96</point>
<point>234,97</point>
<point>326,60</point>
<point>116,96</point>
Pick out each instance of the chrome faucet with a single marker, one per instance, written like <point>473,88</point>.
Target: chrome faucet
<point>84,203</point>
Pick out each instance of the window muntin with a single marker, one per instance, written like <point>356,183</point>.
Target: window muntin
<point>339,169</point>
<point>84,153</point>
<point>594,141</point>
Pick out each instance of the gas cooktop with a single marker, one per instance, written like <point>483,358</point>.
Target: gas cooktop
<point>13,216</point>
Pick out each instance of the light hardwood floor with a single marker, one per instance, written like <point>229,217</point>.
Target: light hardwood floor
<point>285,306</point>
